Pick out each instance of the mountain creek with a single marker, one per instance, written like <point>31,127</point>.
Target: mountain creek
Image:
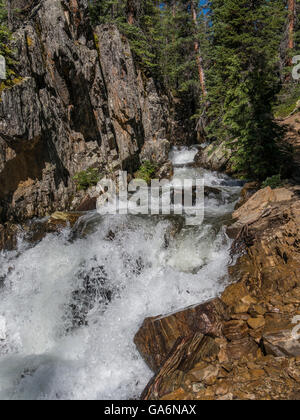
<point>73,303</point>
<point>128,307</point>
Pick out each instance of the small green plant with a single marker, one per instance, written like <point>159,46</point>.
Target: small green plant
<point>147,171</point>
<point>274,181</point>
<point>86,179</point>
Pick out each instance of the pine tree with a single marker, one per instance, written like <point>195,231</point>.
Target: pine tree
<point>243,82</point>
<point>137,20</point>
<point>289,47</point>
<point>199,57</point>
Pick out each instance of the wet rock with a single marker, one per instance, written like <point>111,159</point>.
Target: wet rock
<point>186,353</point>
<point>87,204</point>
<point>257,354</point>
<point>93,291</point>
<point>8,236</point>
<point>234,294</point>
<point>178,395</point>
<point>207,375</point>
<point>212,190</point>
<point>166,171</point>
<point>60,220</point>
<point>244,347</point>
<point>158,335</point>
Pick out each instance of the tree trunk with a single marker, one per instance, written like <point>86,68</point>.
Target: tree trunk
<point>130,12</point>
<point>292,15</point>
<point>198,54</point>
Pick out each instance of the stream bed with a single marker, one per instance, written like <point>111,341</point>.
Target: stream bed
<point>71,304</point>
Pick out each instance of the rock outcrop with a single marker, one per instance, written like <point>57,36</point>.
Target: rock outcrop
<point>215,158</point>
<point>251,349</point>
<point>157,336</point>
<point>78,102</point>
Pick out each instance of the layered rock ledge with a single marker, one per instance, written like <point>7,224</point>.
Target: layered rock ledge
<point>244,345</point>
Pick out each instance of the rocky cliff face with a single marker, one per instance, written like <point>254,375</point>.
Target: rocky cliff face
<point>79,103</point>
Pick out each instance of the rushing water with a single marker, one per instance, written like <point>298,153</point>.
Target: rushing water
<point>71,305</point>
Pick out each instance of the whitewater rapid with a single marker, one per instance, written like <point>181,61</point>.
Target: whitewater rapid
<point>71,305</point>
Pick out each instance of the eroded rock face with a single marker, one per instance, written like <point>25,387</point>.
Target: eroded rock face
<point>267,229</point>
<point>255,353</point>
<point>79,103</point>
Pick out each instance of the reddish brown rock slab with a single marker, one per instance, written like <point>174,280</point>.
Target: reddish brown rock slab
<point>179,395</point>
<point>246,347</point>
<point>158,335</point>
<point>255,207</point>
<point>87,204</point>
<point>282,344</point>
<point>235,330</point>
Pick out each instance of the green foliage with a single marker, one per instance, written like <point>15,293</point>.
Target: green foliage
<point>86,179</point>
<point>274,182</point>
<point>243,82</point>
<point>241,45</point>
<point>147,171</point>
<point>287,100</point>
<point>143,35</point>
<point>5,49</point>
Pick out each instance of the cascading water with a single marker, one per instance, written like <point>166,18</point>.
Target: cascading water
<point>70,306</point>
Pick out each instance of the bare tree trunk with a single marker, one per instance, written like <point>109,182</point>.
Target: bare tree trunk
<point>130,12</point>
<point>198,54</point>
<point>292,16</point>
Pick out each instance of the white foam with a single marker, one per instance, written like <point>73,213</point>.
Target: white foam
<point>42,357</point>
<point>183,155</point>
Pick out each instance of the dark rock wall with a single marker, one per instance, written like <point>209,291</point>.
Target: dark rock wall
<point>80,103</point>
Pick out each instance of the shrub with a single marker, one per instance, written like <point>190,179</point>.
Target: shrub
<point>147,171</point>
<point>274,181</point>
<point>86,179</point>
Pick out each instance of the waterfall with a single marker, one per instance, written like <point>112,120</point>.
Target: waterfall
<point>71,304</point>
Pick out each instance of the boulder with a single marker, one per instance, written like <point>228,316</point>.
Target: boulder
<point>60,220</point>
<point>215,157</point>
<point>185,355</point>
<point>166,171</point>
<point>158,335</point>
<point>282,344</point>
<point>249,189</point>
<point>257,206</point>
<point>88,203</point>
